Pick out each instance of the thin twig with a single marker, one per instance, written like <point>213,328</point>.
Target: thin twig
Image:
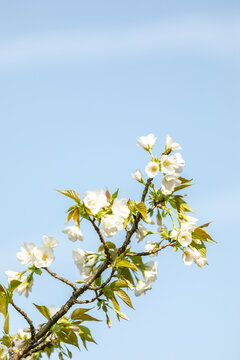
<point>136,221</point>
<point>106,249</point>
<point>61,278</point>
<point>32,328</point>
<point>154,251</point>
<point>105,282</point>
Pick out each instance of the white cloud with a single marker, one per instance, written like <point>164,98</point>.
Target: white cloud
<point>217,37</point>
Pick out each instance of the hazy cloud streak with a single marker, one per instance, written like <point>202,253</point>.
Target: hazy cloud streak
<point>204,36</point>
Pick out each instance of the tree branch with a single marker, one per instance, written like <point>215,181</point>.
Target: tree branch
<point>154,251</point>
<point>63,310</point>
<point>136,221</point>
<point>106,249</point>
<point>32,328</point>
<point>61,278</point>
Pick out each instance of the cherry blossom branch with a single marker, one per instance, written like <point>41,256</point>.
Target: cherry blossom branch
<point>63,310</point>
<point>154,251</point>
<point>105,282</point>
<point>32,328</point>
<point>136,221</point>
<point>89,301</point>
<point>106,249</point>
<point>61,278</point>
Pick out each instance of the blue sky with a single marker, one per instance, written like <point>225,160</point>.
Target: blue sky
<point>79,84</point>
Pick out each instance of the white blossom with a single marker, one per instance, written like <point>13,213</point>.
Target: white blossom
<point>171,144</point>
<point>169,182</point>
<point>141,232</point>
<point>95,200</point>
<point>111,224</point>
<point>172,165</point>
<point>184,237</point>
<point>191,220</point>
<point>53,310</point>
<point>141,287</point>
<point>150,274</point>
<point>43,256</point>
<point>26,254</point>
<point>74,233</point>
<point>49,241</point>
<point>149,246</point>
<point>201,262</point>
<point>120,208</point>
<point>21,337</point>
<point>147,142</point>
<point>148,220</point>
<point>25,287</point>
<point>3,351</point>
<point>190,255</point>
<point>13,275</point>
<point>26,283</point>
<point>173,234</point>
<point>84,261</point>
<point>152,169</point>
<point>159,220</point>
<point>137,175</point>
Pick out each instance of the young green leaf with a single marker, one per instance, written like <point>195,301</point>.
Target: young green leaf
<point>71,194</point>
<point>43,310</point>
<point>124,296</point>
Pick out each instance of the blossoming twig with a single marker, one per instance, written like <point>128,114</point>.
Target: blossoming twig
<point>154,251</point>
<point>106,249</point>
<point>32,328</point>
<point>136,221</point>
<point>61,278</point>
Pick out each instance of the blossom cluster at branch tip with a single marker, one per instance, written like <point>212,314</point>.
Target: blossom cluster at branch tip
<point>170,166</point>
<point>30,254</point>
<point>95,200</point>
<point>193,255</point>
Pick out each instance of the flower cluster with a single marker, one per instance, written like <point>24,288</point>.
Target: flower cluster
<point>84,261</point>
<point>150,275</point>
<point>30,254</point>
<point>124,265</point>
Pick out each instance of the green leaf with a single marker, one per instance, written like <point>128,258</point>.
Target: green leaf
<point>43,310</point>
<point>114,195</point>
<point>200,247</point>
<point>6,324</point>
<point>180,187</point>
<point>124,296</point>
<point>184,181</point>
<point>179,204</point>
<point>68,336</point>
<point>71,194</point>
<point>85,335</point>
<point>117,309</point>
<point>127,264</point>
<point>13,285</point>
<point>205,225</point>
<point>201,234</point>
<point>110,245</point>
<point>69,353</point>
<point>77,313</point>
<point>119,284</point>
<point>3,304</point>
<point>141,207</point>
<point>2,289</point>
<point>86,317</point>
